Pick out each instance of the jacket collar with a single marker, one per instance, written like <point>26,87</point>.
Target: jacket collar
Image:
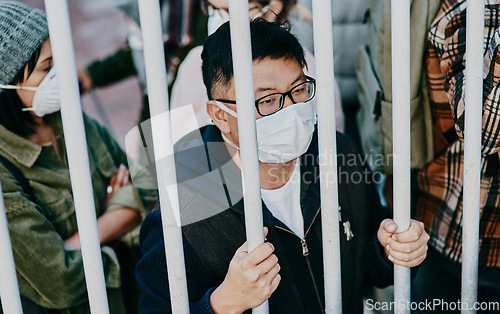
<point>22,150</point>
<point>18,148</point>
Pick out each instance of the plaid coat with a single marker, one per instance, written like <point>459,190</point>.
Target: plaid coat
<point>440,201</point>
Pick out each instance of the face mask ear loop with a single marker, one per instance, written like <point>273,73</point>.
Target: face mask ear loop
<point>226,109</point>
<point>228,141</point>
<point>262,12</point>
<point>2,86</point>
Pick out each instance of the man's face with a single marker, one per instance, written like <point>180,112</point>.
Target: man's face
<point>269,76</point>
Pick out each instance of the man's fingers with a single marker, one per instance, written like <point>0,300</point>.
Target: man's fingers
<point>407,257</point>
<point>407,247</point>
<point>389,226</point>
<point>386,230</point>
<point>258,255</point>
<point>266,265</point>
<point>412,234</point>
<point>268,281</point>
<point>417,261</point>
<point>243,249</point>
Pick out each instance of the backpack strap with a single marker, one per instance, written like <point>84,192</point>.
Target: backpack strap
<point>19,176</point>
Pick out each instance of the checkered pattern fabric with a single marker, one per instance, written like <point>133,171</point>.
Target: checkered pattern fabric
<point>441,182</point>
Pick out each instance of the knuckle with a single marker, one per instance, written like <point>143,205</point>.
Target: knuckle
<point>245,264</point>
<point>268,291</point>
<point>263,285</point>
<point>253,277</point>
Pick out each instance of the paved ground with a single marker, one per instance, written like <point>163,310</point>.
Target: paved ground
<point>98,30</point>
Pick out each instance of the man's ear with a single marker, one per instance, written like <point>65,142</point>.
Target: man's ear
<point>218,116</point>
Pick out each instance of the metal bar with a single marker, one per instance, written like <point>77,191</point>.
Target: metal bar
<point>9,289</point>
<point>323,47</point>
<point>243,79</point>
<point>76,145</point>
<point>400,39</point>
<point>472,151</point>
<point>102,112</point>
<point>149,11</point>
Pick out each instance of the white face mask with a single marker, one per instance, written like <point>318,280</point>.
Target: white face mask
<point>46,99</point>
<point>284,135</point>
<point>215,20</point>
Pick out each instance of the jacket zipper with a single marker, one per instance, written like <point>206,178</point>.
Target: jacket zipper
<point>305,253</point>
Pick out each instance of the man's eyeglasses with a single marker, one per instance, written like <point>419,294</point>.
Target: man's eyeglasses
<point>274,102</point>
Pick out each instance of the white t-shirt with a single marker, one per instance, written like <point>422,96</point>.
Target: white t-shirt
<point>284,203</point>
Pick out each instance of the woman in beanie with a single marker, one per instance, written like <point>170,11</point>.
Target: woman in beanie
<point>36,183</point>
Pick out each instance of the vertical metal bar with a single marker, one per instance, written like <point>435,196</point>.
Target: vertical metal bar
<point>323,47</point>
<point>400,38</point>
<point>472,151</point>
<point>76,144</point>
<point>9,289</point>
<point>243,79</point>
<point>149,11</point>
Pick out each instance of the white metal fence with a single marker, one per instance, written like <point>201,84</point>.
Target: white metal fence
<point>58,19</point>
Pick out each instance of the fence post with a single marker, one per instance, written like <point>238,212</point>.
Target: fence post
<point>243,81</point>
<point>149,11</point>
<point>9,289</point>
<point>400,39</point>
<point>472,151</point>
<point>323,48</point>
<point>76,146</point>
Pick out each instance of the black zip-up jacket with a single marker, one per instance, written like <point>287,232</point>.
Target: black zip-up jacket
<point>212,215</point>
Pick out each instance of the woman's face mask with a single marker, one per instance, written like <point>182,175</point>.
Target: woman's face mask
<point>46,99</point>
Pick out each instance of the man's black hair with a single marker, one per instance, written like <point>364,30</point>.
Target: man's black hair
<point>12,117</point>
<point>269,40</point>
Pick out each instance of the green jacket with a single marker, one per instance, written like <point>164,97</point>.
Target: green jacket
<point>49,275</point>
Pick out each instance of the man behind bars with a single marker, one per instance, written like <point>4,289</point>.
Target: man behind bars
<point>222,276</point>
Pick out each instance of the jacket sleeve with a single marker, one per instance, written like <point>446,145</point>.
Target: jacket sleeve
<point>448,37</point>
<point>113,69</point>
<point>152,275</point>
<point>48,274</point>
<point>141,199</point>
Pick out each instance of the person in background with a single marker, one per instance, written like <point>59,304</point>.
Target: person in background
<point>222,276</point>
<point>36,185</point>
<point>183,25</point>
<point>188,90</point>
<point>440,183</point>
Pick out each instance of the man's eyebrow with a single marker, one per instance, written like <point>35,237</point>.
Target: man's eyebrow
<point>263,89</point>
<point>300,77</point>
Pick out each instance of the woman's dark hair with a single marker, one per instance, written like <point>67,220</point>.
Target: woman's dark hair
<point>11,115</point>
<point>269,40</point>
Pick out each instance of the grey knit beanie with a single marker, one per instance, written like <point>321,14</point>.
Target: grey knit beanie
<point>23,30</point>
